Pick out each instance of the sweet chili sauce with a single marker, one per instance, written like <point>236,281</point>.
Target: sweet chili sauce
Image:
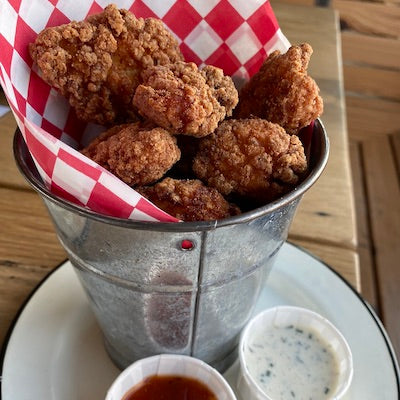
<point>170,387</point>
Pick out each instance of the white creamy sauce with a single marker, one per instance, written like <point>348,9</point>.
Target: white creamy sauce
<point>292,363</point>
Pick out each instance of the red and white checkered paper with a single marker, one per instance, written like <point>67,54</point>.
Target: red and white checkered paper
<point>235,35</point>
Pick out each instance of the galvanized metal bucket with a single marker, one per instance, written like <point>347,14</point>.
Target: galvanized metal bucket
<point>186,288</point>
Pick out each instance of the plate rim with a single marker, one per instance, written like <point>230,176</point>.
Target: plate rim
<point>364,302</point>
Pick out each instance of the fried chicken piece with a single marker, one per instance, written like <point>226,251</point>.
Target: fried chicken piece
<point>96,63</point>
<point>136,153</point>
<point>184,100</point>
<point>282,92</point>
<point>223,88</point>
<point>250,157</point>
<point>189,200</point>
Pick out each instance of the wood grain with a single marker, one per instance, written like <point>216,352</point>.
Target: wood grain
<point>29,249</point>
<point>371,56</point>
<point>343,261</point>
<point>10,176</point>
<point>370,117</point>
<point>296,2</point>
<point>384,200</point>
<point>27,235</point>
<point>395,141</point>
<point>357,47</point>
<point>327,210</point>
<point>367,266</point>
<point>388,2</point>
<point>372,81</point>
<point>370,18</point>
<point>16,283</point>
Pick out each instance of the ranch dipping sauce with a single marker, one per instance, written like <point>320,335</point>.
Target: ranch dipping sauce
<point>292,362</point>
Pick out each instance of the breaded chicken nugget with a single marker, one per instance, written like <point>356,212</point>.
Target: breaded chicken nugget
<point>189,200</point>
<point>250,157</point>
<point>282,92</point>
<point>135,153</point>
<point>183,100</point>
<point>97,63</point>
<point>222,86</point>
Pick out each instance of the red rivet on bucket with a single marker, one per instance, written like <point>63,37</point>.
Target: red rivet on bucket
<point>187,244</point>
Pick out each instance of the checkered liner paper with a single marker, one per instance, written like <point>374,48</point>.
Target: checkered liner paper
<point>235,35</point>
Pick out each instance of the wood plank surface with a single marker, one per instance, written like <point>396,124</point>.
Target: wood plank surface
<point>372,81</point>
<point>368,276</point>
<point>327,210</point>
<point>387,2</point>
<point>372,50</point>
<point>371,57</point>
<point>10,176</point>
<point>370,18</point>
<point>306,3</point>
<point>395,141</point>
<point>24,260</point>
<point>384,200</point>
<point>370,117</point>
<point>24,219</point>
<point>16,283</point>
<point>346,261</point>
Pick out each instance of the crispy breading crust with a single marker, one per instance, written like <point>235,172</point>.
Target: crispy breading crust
<point>97,63</point>
<point>282,92</point>
<point>178,98</point>
<point>189,200</point>
<point>135,153</point>
<point>250,157</point>
<point>222,86</point>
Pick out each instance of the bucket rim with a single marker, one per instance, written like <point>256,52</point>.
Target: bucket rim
<point>20,152</point>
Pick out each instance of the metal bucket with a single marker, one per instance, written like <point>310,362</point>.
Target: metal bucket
<point>150,293</point>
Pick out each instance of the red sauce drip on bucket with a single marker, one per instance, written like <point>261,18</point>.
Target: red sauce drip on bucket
<point>170,387</point>
<point>187,244</point>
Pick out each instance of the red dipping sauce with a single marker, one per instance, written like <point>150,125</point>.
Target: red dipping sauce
<point>170,387</point>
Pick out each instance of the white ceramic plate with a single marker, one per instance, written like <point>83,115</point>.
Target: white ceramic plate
<point>55,349</point>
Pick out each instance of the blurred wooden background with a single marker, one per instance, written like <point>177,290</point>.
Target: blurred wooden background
<point>370,33</point>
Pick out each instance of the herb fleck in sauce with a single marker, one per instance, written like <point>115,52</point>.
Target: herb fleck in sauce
<point>292,363</point>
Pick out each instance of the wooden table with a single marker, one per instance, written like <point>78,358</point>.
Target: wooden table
<point>324,223</point>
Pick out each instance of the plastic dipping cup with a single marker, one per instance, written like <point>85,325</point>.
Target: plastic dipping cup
<point>285,350</point>
<point>171,365</point>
